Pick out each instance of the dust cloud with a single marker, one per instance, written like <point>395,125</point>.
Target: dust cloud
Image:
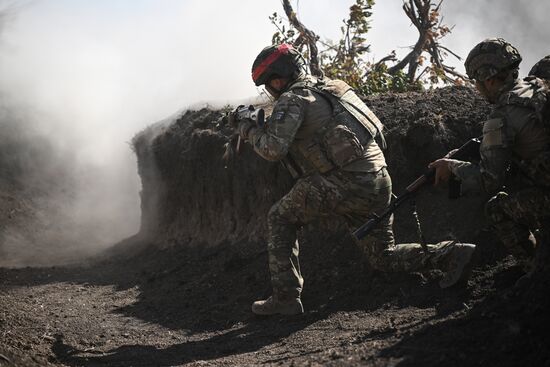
<point>79,79</point>
<point>77,82</point>
<point>524,23</point>
<point>68,186</point>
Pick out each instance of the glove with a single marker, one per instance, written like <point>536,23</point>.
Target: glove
<point>245,127</point>
<point>232,119</point>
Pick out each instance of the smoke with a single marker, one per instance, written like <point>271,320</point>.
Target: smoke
<point>524,23</point>
<point>79,79</point>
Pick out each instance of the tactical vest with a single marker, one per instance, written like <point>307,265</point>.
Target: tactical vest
<point>346,136</point>
<point>535,95</point>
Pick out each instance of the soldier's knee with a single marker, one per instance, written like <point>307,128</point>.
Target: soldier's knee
<point>277,215</point>
<point>494,208</point>
<point>375,252</point>
<point>283,212</point>
<point>273,213</point>
<point>380,261</point>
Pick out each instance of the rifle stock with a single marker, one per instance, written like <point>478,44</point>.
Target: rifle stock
<point>467,151</point>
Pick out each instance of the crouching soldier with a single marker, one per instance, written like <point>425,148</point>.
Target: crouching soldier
<point>330,142</point>
<point>515,139</point>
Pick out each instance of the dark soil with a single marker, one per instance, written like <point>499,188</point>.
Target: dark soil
<point>179,292</point>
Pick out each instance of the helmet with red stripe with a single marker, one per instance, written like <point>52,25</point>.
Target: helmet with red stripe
<point>282,61</point>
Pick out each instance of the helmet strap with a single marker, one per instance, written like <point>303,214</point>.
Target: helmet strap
<point>275,93</point>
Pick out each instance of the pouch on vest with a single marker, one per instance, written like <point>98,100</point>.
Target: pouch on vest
<point>315,155</point>
<point>342,146</point>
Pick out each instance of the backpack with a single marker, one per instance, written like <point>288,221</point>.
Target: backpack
<point>537,98</point>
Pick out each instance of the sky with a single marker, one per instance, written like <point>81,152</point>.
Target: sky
<point>126,63</point>
<point>95,73</point>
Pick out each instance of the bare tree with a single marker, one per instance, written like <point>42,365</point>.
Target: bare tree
<point>425,16</point>
<point>345,59</point>
<point>306,36</point>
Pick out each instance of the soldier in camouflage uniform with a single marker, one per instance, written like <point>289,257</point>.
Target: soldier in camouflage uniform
<point>541,69</point>
<point>330,142</point>
<point>515,136</point>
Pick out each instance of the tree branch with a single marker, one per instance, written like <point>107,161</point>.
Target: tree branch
<point>307,36</point>
<point>424,15</point>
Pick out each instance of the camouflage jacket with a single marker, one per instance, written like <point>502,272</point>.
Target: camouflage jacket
<point>515,132</point>
<point>292,134</point>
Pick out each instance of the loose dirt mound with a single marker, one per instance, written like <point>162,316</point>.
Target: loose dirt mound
<point>195,198</point>
<point>180,292</point>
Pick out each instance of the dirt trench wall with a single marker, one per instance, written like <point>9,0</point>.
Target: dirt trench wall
<point>190,195</point>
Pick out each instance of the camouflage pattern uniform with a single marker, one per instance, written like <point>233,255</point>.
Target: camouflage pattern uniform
<point>516,135</point>
<point>352,189</point>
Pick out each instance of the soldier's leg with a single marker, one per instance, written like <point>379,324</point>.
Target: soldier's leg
<point>384,255</point>
<point>310,198</point>
<point>514,216</point>
<point>371,193</point>
<point>283,250</point>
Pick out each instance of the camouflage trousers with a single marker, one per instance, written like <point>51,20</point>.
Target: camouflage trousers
<point>350,195</point>
<point>514,217</point>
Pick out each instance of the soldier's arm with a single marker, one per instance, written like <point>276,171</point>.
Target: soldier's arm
<point>273,140</point>
<point>469,175</point>
<point>488,176</point>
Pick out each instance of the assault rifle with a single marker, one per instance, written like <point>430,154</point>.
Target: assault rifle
<point>233,118</point>
<point>243,113</point>
<point>247,112</point>
<point>468,151</point>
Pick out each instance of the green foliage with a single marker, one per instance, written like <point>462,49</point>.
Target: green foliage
<point>347,58</point>
<point>285,32</point>
<point>379,80</point>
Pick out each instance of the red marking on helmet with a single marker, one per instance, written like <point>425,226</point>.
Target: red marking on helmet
<point>260,69</point>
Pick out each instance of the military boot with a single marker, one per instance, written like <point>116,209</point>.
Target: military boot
<point>457,269</point>
<point>278,305</point>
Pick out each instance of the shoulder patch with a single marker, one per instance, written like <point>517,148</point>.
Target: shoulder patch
<point>278,116</point>
<point>492,133</point>
<point>287,107</point>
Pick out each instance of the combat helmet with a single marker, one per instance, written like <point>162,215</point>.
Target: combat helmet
<point>490,57</point>
<point>542,68</point>
<point>277,61</point>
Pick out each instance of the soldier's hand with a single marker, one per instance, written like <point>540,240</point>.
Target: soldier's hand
<point>442,170</point>
<point>245,127</point>
<point>232,119</point>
